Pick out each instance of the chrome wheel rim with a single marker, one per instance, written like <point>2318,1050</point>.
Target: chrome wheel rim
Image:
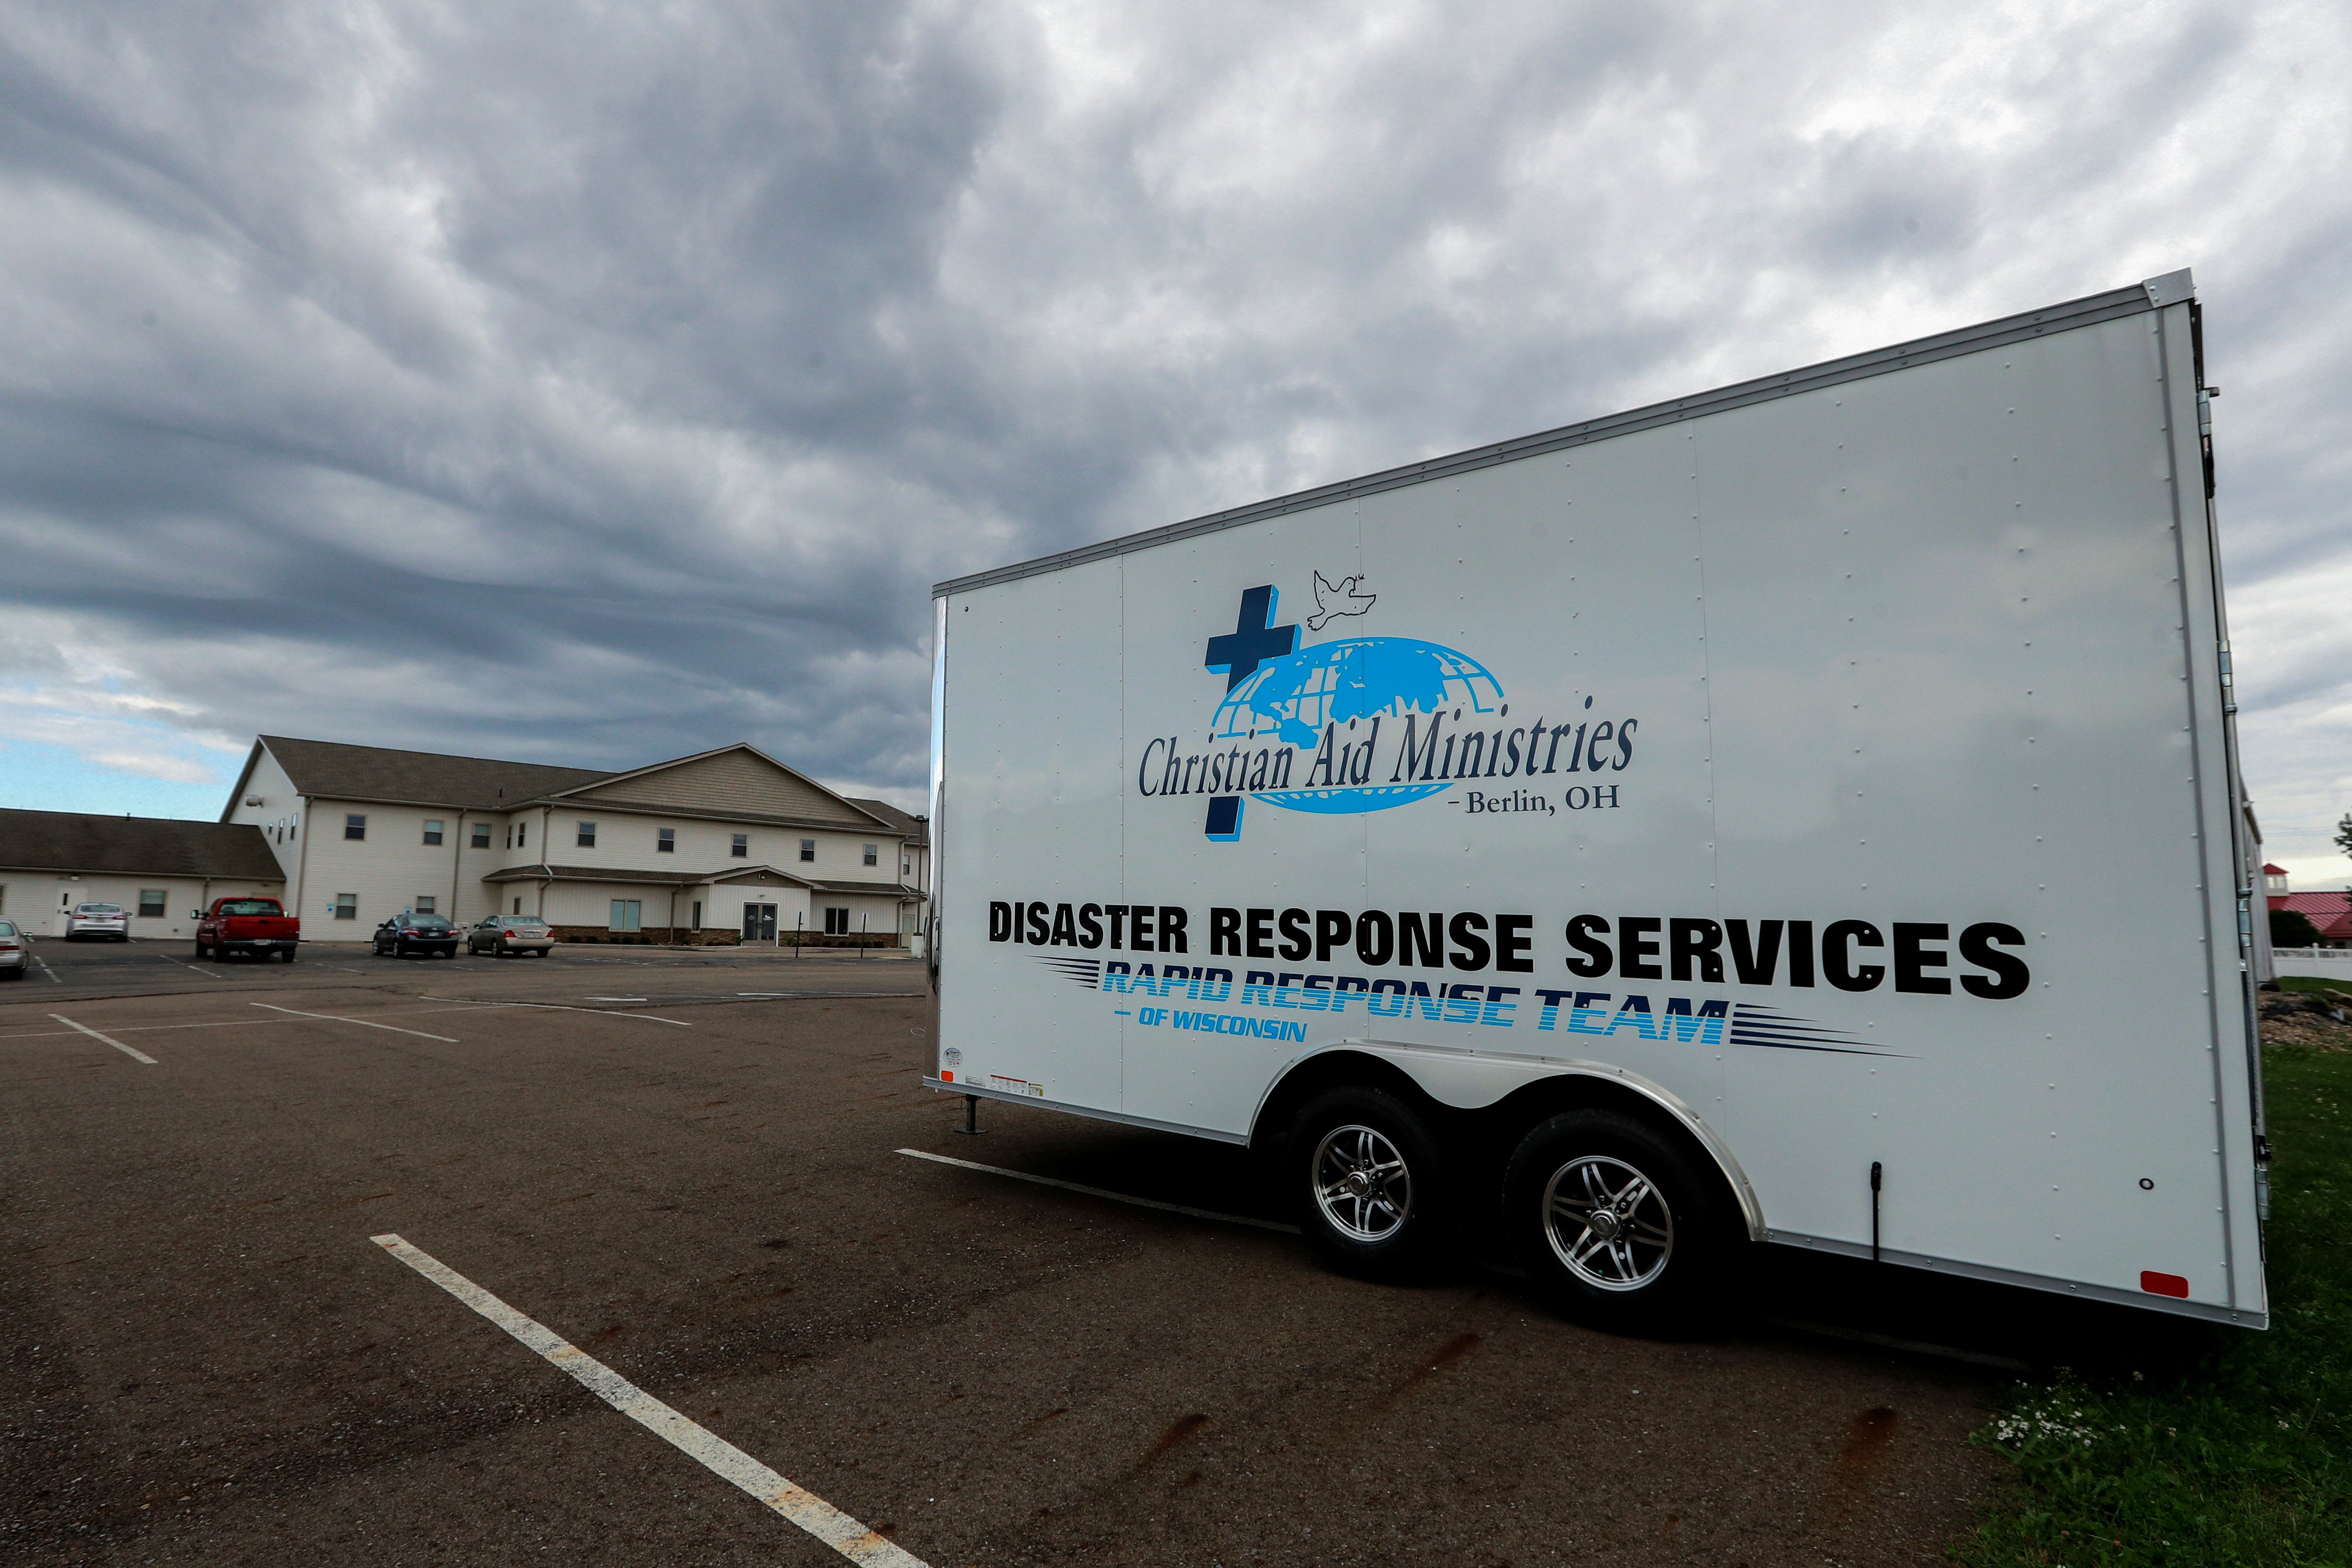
<point>1607,1223</point>
<point>1361,1184</point>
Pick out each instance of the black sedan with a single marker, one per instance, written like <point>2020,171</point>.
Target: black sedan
<point>403,934</point>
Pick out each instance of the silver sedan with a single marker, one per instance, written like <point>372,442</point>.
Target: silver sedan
<point>105,922</point>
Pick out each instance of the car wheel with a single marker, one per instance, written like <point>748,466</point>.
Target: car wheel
<point>1616,1225</point>
<point>1370,1183</point>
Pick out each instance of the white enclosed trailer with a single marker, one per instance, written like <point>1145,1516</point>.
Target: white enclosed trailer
<point>1802,811</point>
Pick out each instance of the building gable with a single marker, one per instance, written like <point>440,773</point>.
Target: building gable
<point>735,782</point>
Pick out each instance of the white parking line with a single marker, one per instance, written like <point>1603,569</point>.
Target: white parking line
<point>185,964</point>
<point>714,1453</point>
<point>93,1034</point>
<point>362,1022</point>
<point>47,971</point>
<point>555,1006</point>
<point>1105,1193</point>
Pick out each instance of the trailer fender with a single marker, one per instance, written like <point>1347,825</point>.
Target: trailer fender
<point>1474,1081</point>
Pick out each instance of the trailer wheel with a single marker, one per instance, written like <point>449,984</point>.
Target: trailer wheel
<point>1373,1184</point>
<point>1615,1227</point>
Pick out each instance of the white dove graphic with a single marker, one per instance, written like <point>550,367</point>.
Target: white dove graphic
<point>1333,600</point>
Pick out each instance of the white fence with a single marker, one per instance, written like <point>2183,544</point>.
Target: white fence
<point>2318,962</point>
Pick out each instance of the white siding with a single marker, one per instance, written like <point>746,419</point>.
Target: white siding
<point>389,869</point>
<point>278,815</point>
<point>38,899</point>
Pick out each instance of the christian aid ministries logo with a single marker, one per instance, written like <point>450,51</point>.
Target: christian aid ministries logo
<point>1354,724</point>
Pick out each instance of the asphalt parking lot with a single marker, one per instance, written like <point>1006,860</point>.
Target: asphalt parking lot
<point>689,1167</point>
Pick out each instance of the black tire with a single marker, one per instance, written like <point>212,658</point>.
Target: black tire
<point>200,951</point>
<point>1360,1217</point>
<point>287,955</point>
<point>1617,1227</point>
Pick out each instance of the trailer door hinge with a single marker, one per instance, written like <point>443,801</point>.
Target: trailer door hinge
<point>2262,1150</point>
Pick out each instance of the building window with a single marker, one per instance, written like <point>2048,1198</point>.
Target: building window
<point>522,835</point>
<point>836,922</point>
<point>741,847</point>
<point>481,835</point>
<point>628,914</point>
<point>518,908</point>
<point>355,825</point>
<point>808,848</point>
<point>587,835</point>
<point>432,830</point>
<point>694,921</point>
<point>666,841</point>
<point>906,865</point>
<point>293,827</point>
<point>424,905</point>
<point>873,855</point>
<point>347,906</point>
<point>151,903</point>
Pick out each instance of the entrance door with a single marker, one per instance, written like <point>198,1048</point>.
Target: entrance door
<point>759,922</point>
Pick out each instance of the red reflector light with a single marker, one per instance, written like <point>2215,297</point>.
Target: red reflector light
<point>946,1076</point>
<point>2164,1284</point>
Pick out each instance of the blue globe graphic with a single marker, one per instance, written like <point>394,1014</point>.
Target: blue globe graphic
<point>1291,698</point>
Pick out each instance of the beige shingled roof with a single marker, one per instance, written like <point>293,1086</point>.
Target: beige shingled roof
<point>917,829</point>
<point>135,846</point>
<point>331,770</point>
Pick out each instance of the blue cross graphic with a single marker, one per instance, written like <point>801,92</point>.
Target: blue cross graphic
<point>1254,639</point>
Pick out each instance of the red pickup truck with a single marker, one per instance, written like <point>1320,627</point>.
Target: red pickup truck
<point>258,926</point>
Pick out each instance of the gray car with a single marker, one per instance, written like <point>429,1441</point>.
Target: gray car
<point>505,935</point>
<point>13,958</point>
<point>108,922</point>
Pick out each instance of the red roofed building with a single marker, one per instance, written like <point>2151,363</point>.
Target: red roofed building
<point>2331,912</point>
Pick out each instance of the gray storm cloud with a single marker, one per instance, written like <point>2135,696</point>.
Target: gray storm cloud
<point>598,385</point>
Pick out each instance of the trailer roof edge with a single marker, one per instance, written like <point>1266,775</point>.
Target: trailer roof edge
<point>2171,288</point>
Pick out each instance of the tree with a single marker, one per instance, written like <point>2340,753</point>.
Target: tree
<point>2344,834</point>
<point>2292,928</point>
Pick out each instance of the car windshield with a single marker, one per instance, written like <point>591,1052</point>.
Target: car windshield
<point>250,906</point>
<point>427,922</point>
<point>98,908</point>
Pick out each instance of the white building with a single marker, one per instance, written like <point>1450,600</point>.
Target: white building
<point>157,868</point>
<point>727,844</point>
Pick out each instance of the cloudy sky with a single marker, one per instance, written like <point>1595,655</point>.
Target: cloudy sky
<point>594,383</point>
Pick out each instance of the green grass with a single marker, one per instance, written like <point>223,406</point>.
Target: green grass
<point>2247,1458</point>
<point>2314,983</point>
